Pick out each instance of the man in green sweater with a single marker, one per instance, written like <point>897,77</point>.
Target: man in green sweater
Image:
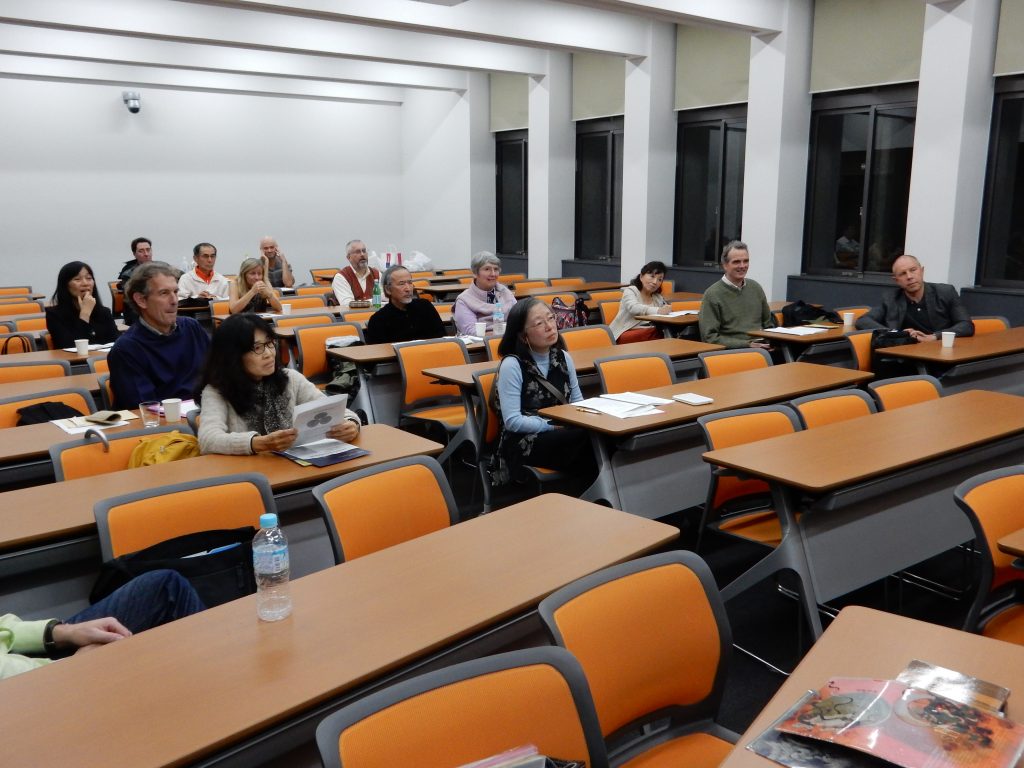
<point>735,304</point>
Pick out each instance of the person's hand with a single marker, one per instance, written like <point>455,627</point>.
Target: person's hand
<point>206,295</point>
<point>86,304</point>
<point>761,344</point>
<point>346,431</point>
<point>917,335</point>
<point>95,632</point>
<point>664,310</point>
<point>275,441</point>
<point>262,288</point>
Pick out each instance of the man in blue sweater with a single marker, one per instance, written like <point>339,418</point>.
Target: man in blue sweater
<point>161,355</point>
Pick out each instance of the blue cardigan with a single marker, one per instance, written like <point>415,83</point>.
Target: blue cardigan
<point>149,366</point>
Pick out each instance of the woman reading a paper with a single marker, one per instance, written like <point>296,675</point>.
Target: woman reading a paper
<point>640,298</point>
<point>248,399</point>
<point>537,372</point>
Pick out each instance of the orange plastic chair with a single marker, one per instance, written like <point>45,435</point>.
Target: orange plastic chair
<point>15,371</point>
<point>15,290</point>
<point>679,306</point>
<point>829,407</point>
<point>860,349</point>
<point>904,390</point>
<point>219,307</point>
<point>311,342</point>
<point>567,282</point>
<point>988,324</point>
<point>722,362</point>
<point>363,514</point>
<point>530,284</point>
<point>426,273</point>
<point>587,337</point>
<point>468,712</point>
<point>511,278</point>
<point>98,453</point>
<point>30,324</point>
<point>313,290</point>
<point>630,373</point>
<point>141,519</point>
<point>456,272</point>
<point>304,302</point>
<point>654,641</point>
<point>77,398</point>
<point>609,310</point>
<point>293,321</point>
<point>106,390</point>
<point>16,343</point>
<point>596,297</point>
<point>668,286</point>
<point>425,401</point>
<point>98,364</point>
<point>323,274</point>
<point>991,502</point>
<point>492,343</point>
<point>358,316</point>
<point>858,311</point>
<point>116,299</point>
<point>739,506</point>
<point>21,308</point>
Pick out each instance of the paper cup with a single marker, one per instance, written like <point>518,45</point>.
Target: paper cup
<point>150,418</point>
<point>480,329</point>
<point>286,309</point>
<point>848,319</point>
<point>82,347</point>
<point>947,338</point>
<point>172,409</point>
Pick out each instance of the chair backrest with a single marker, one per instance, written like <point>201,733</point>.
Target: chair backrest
<point>668,286</point>
<point>30,324</point>
<point>630,373</point>
<point>323,274</point>
<point>569,299</point>
<point>858,311</point>
<point>651,635</point>
<point>988,324</point>
<point>991,502</point>
<point>116,298</point>
<point>905,390</point>
<point>98,453</point>
<point>679,306</point>
<point>15,343</point>
<point>531,284</point>
<point>860,349</point>
<point>98,364</point>
<point>363,513</point>
<point>487,417</point>
<point>21,308</point>
<point>75,397</point>
<point>414,356</point>
<point>587,337</point>
<point>738,427</point>
<point>220,307</point>
<point>314,290</point>
<point>609,309</point>
<point>456,272</point>
<point>106,390</point>
<point>302,302</point>
<point>566,282</point>
<point>15,290</point>
<point>311,341</point>
<point>138,520</point>
<point>468,712</point>
<point>465,279</point>
<point>511,278</point>
<point>424,273</point>
<point>722,362</point>
<point>358,315</point>
<point>596,297</point>
<point>492,343</point>
<point>292,321</point>
<point>829,407</point>
<point>15,371</point>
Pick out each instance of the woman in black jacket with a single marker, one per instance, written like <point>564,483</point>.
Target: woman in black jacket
<point>76,312</point>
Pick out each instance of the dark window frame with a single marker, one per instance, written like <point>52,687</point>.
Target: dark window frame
<point>519,136</point>
<point>611,127</point>
<point>726,117</point>
<point>873,100</point>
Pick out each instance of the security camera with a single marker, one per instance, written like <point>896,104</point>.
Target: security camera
<point>132,100</point>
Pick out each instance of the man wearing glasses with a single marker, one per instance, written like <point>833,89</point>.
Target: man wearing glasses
<point>355,282</point>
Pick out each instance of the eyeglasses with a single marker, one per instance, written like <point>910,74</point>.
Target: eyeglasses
<point>262,346</point>
<point>543,322</point>
<point>357,250</point>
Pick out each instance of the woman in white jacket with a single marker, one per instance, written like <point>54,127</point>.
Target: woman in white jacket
<point>248,399</point>
<point>640,298</point>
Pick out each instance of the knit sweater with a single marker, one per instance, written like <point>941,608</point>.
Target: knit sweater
<point>472,307</point>
<point>632,310</point>
<point>727,313</point>
<point>146,365</point>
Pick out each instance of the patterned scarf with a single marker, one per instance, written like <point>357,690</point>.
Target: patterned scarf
<point>270,411</point>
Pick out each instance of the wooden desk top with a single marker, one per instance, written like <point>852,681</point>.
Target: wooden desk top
<point>964,349</point>
<point>350,624</point>
<point>49,355</point>
<point>667,320</point>
<point>379,353</point>
<point>1013,544</point>
<point>289,332</point>
<point>58,510</point>
<point>583,359</point>
<point>863,642</point>
<point>586,287</point>
<point>737,390</point>
<point>832,334</point>
<point>879,444</point>
<point>33,441</point>
<point>86,381</point>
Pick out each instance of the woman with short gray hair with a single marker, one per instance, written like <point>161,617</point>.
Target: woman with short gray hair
<point>483,296</point>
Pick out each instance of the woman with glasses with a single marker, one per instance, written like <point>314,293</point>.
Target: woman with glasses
<point>483,296</point>
<point>248,398</point>
<point>537,372</point>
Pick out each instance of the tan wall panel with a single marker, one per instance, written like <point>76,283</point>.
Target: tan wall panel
<point>598,86</point>
<point>1010,39</point>
<point>510,101</point>
<point>712,67</point>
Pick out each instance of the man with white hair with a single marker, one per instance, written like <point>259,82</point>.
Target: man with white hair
<point>355,282</point>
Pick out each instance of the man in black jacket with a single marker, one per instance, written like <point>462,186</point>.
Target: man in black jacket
<point>405,317</point>
<point>924,310</point>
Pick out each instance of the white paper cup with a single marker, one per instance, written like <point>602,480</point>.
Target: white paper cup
<point>149,417</point>
<point>480,329</point>
<point>172,409</point>
<point>286,309</point>
<point>82,347</point>
<point>848,319</point>
<point>947,338</point>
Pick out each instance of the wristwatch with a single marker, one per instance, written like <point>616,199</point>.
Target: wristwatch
<point>48,643</point>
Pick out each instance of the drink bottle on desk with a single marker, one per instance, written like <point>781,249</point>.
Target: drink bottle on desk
<point>270,564</point>
<point>498,321</point>
<point>375,298</point>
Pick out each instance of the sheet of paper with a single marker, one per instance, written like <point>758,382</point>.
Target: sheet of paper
<point>92,347</point>
<point>341,341</point>
<point>187,406</point>
<point>615,408</point>
<point>681,312</point>
<point>318,448</point>
<point>315,418</point>
<point>800,330</point>
<point>636,398</point>
<point>72,428</point>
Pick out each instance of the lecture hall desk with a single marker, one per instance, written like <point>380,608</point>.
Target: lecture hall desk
<point>862,642</point>
<point>206,689</point>
<point>875,492</point>
<point>650,465</point>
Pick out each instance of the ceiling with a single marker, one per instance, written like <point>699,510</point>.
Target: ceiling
<point>369,51</point>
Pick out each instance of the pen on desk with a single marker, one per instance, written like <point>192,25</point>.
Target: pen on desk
<point>587,410</point>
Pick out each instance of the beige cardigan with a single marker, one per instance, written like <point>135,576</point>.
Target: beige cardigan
<point>632,310</point>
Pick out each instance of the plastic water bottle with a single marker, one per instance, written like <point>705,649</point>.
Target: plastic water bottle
<point>375,296</point>
<point>270,564</point>
<point>498,321</point>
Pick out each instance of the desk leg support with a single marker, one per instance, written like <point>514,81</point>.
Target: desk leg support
<point>603,488</point>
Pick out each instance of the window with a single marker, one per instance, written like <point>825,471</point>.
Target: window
<point>510,151</point>
<point>710,151</point>
<point>599,189</point>
<point>1001,261</point>
<point>859,181</point>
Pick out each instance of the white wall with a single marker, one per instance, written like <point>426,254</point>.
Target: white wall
<point>82,177</point>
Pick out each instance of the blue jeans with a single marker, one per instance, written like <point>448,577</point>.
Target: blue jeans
<point>146,601</point>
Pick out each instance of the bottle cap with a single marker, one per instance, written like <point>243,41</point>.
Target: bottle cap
<point>268,520</point>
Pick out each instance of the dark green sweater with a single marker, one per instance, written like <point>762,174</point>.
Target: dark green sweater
<point>726,314</point>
